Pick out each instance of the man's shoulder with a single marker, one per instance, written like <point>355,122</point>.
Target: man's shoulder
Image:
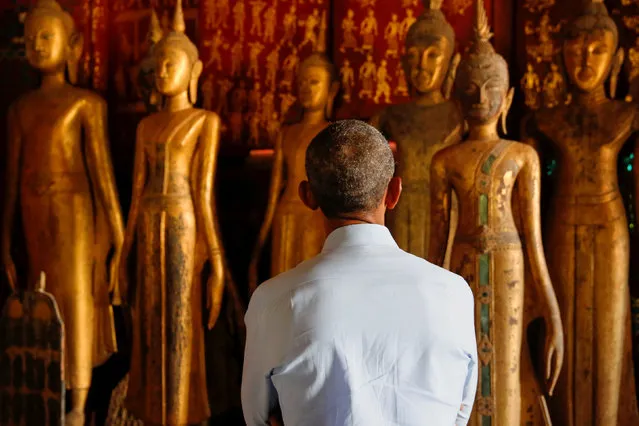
<point>429,273</point>
<point>274,290</point>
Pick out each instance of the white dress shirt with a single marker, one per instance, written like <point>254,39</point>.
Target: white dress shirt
<point>363,334</point>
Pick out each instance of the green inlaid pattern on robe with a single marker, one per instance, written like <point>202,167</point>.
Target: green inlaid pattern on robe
<point>485,380</point>
<point>485,168</point>
<point>485,373</point>
<point>483,209</point>
<point>484,269</point>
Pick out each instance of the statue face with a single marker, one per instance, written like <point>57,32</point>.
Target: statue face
<point>481,93</point>
<point>173,72</point>
<point>46,42</point>
<point>314,85</point>
<point>428,64</point>
<point>588,58</point>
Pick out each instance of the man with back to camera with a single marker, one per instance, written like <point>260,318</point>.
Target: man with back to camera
<point>364,333</point>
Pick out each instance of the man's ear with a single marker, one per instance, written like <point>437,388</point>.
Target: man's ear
<point>306,195</point>
<point>393,192</point>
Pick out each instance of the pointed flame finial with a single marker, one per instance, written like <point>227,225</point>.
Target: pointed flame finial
<point>432,4</point>
<point>155,29</point>
<point>178,18</point>
<point>482,28</point>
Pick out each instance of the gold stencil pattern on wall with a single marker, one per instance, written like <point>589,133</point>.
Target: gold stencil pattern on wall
<point>251,51</point>
<point>369,43</point>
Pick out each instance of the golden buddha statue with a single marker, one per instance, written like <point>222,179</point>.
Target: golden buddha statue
<point>497,184</point>
<point>587,242</point>
<point>172,217</point>
<point>297,232</point>
<point>58,164</point>
<point>423,126</point>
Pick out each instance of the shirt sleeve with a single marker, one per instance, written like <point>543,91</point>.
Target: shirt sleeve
<point>470,386</point>
<point>259,397</point>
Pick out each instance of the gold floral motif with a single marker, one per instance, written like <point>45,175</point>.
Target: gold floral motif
<point>485,406</point>
<point>485,350</point>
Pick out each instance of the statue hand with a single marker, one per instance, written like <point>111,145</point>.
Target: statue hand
<point>215,292</point>
<point>10,270</point>
<point>554,352</point>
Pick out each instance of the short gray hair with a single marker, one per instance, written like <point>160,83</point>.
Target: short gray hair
<point>349,165</point>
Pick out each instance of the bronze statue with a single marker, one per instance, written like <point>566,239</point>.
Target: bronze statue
<point>497,185</point>
<point>587,241</point>
<point>172,216</point>
<point>423,126</point>
<point>58,164</point>
<point>297,232</point>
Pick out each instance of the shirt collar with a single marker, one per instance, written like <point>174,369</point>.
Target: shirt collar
<point>359,235</point>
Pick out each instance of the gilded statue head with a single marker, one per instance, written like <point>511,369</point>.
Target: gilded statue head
<point>482,85</point>
<point>52,42</point>
<point>430,44</point>
<point>178,66</point>
<point>590,48</point>
<point>317,84</point>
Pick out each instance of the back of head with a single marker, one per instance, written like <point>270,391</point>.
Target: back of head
<point>349,165</point>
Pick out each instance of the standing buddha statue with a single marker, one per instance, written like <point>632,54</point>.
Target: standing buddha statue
<point>587,240</point>
<point>497,185</point>
<point>297,232</point>
<point>60,174</point>
<point>423,126</point>
<point>171,213</point>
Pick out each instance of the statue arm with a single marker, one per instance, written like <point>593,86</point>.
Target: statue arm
<point>210,145</point>
<point>101,171</point>
<point>440,193</point>
<point>139,178</point>
<point>529,198</point>
<point>273,197</point>
<point>14,153</point>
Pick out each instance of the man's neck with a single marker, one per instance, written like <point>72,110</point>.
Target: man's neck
<point>346,219</point>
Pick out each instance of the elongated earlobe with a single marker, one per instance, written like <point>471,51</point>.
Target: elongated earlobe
<point>614,73</point>
<point>195,76</point>
<point>504,111</point>
<point>74,53</point>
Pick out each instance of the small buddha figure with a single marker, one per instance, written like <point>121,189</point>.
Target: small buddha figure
<point>173,220</point>
<point>60,175</point>
<point>423,126</point>
<point>297,232</point>
<point>587,241</point>
<point>497,185</point>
